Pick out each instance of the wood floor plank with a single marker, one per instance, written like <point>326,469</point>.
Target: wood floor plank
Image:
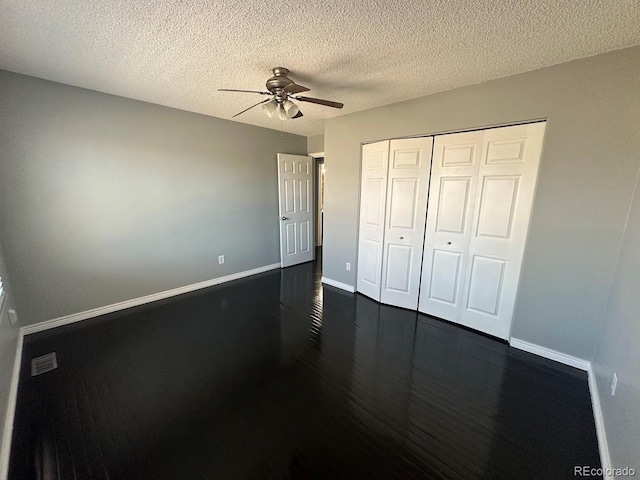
<point>278,377</point>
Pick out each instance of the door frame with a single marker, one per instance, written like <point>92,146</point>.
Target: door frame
<point>447,132</point>
<point>318,159</point>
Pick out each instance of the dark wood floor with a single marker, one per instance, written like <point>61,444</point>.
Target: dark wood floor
<point>278,377</point>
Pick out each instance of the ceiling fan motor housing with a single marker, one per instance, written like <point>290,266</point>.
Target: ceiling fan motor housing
<point>279,82</point>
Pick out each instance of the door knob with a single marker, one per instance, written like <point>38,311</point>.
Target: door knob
<point>283,218</point>
<point>448,243</point>
<point>401,238</point>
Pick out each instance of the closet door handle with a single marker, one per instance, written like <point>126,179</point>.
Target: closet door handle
<point>448,243</point>
<point>401,238</point>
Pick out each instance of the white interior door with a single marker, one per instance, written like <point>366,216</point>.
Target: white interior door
<point>454,176</point>
<point>407,192</point>
<point>373,200</point>
<point>296,200</point>
<point>499,206</point>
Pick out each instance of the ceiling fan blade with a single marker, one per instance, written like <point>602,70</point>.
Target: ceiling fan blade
<point>326,103</point>
<point>294,88</point>
<point>243,91</point>
<point>247,109</point>
<point>297,115</point>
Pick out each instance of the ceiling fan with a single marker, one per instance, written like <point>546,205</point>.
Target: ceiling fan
<point>281,91</point>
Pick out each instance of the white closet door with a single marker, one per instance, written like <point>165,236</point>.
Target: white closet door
<point>504,197</point>
<point>454,178</point>
<point>373,200</point>
<point>479,208</point>
<point>407,191</point>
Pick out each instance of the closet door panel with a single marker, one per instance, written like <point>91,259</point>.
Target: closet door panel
<point>407,191</point>
<point>506,184</point>
<point>454,173</point>
<point>373,201</point>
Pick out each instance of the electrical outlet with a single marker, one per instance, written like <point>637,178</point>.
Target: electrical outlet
<point>348,266</point>
<point>614,384</point>
<point>13,317</point>
<point>220,259</point>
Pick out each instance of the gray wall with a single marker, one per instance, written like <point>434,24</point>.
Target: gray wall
<point>618,349</point>
<point>586,180</point>
<point>315,144</point>
<point>8,343</point>
<point>105,199</point>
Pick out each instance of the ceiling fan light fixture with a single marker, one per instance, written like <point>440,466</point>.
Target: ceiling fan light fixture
<point>282,113</point>
<point>270,108</point>
<point>290,108</point>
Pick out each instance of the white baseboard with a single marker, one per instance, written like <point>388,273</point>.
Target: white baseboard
<point>76,317</point>
<point>603,446</point>
<point>340,285</point>
<point>550,354</point>
<point>11,410</point>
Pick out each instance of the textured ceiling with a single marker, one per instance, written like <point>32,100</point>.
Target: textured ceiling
<point>364,53</point>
